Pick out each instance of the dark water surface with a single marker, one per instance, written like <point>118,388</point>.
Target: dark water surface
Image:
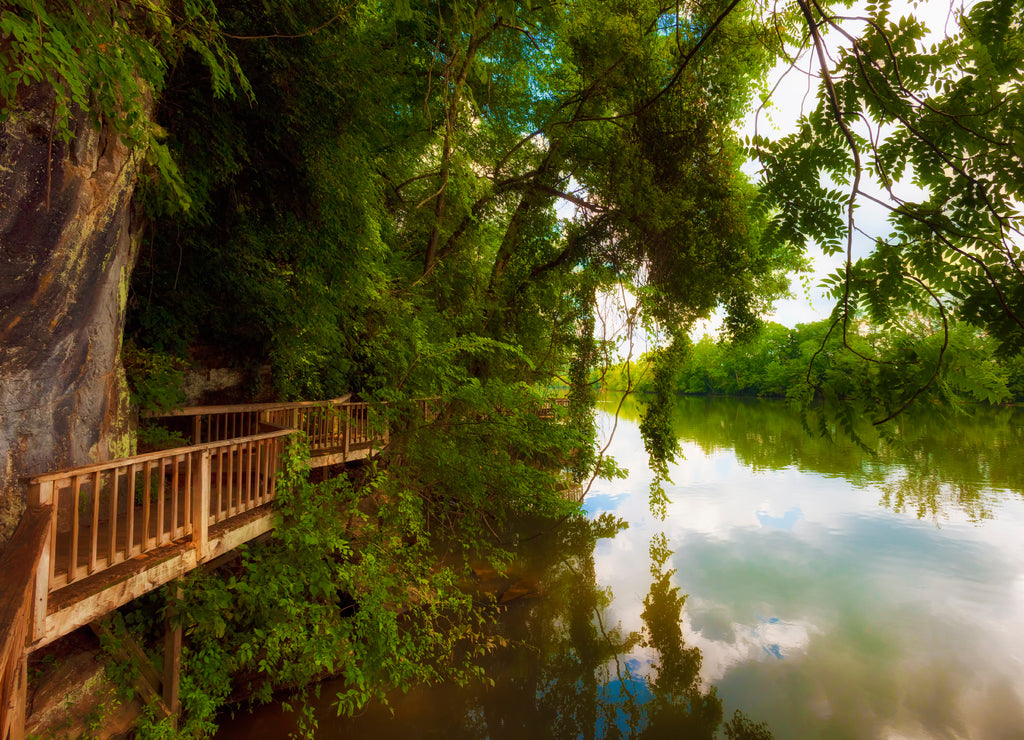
<point>831,594</point>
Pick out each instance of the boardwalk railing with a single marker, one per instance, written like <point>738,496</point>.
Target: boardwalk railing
<point>547,409</point>
<point>339,426</point>
<point>109,513</point>
<point>333,426</point>
<point>95,537</point>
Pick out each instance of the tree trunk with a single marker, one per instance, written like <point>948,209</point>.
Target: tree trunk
<point>68,241</point>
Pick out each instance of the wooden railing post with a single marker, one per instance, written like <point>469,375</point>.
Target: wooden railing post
<point>19,568</point>
<point>41,494</point>
<point>348,428</point>
<point>18,707</point>
<point>201,504</point>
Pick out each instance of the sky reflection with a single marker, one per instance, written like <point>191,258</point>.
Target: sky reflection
<point>816,608</point>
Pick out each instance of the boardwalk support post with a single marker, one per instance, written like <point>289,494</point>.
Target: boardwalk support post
<point>19,700</point>
<point>172,652</point>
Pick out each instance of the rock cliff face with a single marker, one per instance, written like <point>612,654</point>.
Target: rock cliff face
<point>68,240</point>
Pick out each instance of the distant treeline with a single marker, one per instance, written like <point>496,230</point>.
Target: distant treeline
<point>780,362</point>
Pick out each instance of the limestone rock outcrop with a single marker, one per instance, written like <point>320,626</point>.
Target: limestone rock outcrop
<point>68,241</point>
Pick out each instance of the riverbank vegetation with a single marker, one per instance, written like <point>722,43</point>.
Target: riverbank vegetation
<point>779,362</point>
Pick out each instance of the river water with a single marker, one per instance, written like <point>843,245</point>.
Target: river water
<point>822,591</point>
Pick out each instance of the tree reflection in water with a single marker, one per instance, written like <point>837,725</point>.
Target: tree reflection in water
<point>931,463</point>
<point>566,672</point>
<point>563,671</point>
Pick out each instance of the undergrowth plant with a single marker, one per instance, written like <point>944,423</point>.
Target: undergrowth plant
<point>342,589</point>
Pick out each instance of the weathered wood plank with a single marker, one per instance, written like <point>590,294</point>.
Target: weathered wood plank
<point>95,521</point>
<point>18,563</point>
<point>76,506</point>
<point>161,490</point>
<point>112,550</point>
<point>129,550</point>
<point>201,503</point>
<point>247,526</point>
<point>147,482</point>
<point>86,601</point>
<point>42,495</point>
<point>14,697</point>
<point>337,458</point>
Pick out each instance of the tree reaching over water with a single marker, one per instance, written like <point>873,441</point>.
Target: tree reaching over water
<point>932,133</point>
<point>408,237</point>
<point>433,194</point>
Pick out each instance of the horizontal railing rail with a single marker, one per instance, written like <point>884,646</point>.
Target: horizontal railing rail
<point>339,425</point>
<point>332,426</point>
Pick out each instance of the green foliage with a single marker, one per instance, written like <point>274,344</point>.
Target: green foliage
<point>932,135</point>
<point>741,727</point>
<point>778,363</point>
<point>661,443</point>
<point>155,380</point>
<point>850,389</point>
<point>405,235</point>
<point>379,214</point>
<point>153,438</point>
<point>112,60</point>
<point>349,586</point>
<point>484,460</point>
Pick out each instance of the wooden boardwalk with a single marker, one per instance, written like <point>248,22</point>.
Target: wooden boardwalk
<point>98,536</point>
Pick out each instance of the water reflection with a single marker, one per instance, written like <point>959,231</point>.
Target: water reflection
<point>584,677</point>
<point>930,464</point>
<point>777,584</point>
<point>816,609</point>
<point>564,670</point>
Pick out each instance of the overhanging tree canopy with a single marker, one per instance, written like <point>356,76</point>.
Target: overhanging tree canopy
<point>932,132</point>
<point>381,214</point>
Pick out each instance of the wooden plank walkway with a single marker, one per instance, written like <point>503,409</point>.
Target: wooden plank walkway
<point>98,536</point>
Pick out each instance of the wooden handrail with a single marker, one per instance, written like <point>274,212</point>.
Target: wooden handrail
<point>183,491</point>
<point>18,564</point>
<point>243,407</point>
<point>112,512</point>
<point>151,457</point>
